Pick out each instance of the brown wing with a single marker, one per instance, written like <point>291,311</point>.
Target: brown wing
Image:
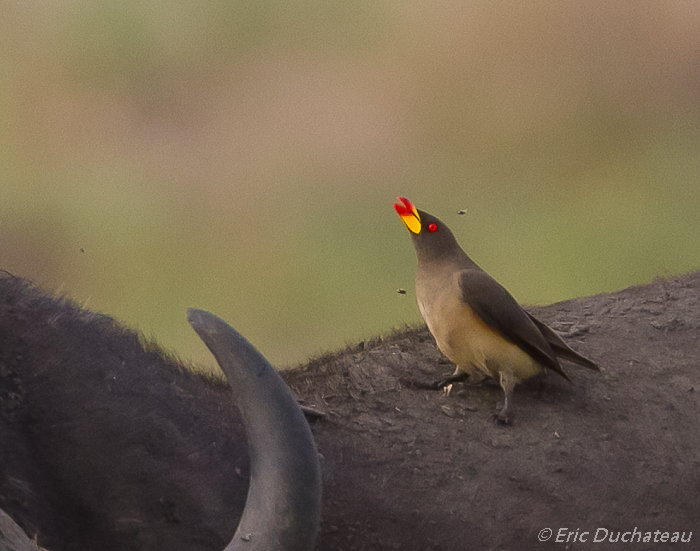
<point>500,311</point>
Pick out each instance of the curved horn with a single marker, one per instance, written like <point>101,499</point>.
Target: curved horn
<point>284,497</point>
<point>12,537</point>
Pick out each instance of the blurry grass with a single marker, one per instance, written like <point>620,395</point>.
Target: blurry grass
<point>114,190</point>
<point>131,45</point>
<point>310,273</point>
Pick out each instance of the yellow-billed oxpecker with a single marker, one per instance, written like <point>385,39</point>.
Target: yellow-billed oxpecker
<point>476,322</point>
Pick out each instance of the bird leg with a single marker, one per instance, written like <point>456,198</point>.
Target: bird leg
<point>504,416</point>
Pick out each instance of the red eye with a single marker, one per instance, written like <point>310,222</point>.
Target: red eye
<point>432,228</point>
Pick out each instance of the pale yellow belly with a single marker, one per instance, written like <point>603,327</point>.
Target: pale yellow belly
<point>472,345</point>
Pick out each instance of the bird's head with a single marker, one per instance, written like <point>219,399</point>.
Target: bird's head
<point>430,236</point>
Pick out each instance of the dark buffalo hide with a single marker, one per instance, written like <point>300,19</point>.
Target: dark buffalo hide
<point>107,446</point>
<point>106,442</point>
<point>617,450</point>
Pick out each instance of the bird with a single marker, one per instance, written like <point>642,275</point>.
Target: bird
<point>475,321</point>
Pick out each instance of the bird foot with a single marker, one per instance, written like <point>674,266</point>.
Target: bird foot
<point>504,419</point>
<point>505,416</point>
<point>438,385</point>
<point>416,385</point>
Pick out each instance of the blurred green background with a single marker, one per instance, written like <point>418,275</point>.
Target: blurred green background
<point>243,156</point>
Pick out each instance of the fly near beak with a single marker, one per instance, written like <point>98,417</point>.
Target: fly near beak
<point>409,215</point>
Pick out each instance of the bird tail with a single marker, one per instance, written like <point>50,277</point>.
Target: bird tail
<point>560,348</point>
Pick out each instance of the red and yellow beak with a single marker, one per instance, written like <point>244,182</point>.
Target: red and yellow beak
<point>409,215</point>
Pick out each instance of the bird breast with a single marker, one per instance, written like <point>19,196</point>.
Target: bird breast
<point>463,336</point>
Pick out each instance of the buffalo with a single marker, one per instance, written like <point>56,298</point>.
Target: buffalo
<point>110,443</point>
